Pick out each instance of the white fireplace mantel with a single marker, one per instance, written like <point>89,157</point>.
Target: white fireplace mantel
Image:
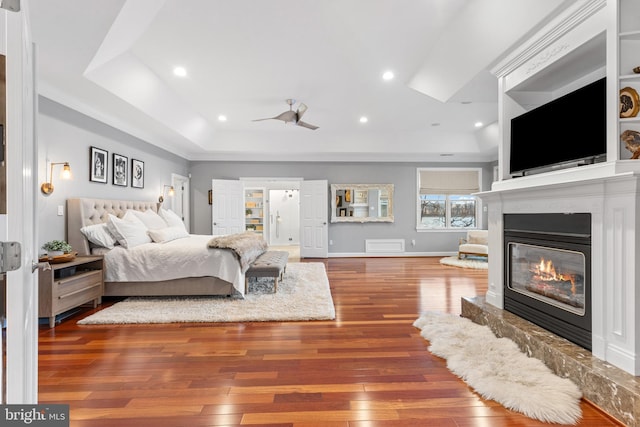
<point>614,205</point>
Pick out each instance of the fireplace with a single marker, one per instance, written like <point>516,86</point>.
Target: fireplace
<point>548,272</point>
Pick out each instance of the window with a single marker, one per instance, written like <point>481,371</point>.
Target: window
<point>445,199</point>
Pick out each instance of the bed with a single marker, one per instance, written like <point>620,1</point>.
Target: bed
<point>185,266</point>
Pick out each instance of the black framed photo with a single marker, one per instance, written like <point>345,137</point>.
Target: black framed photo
<point>98,165</point>
<point>137,173</point>
<point>120,169</point>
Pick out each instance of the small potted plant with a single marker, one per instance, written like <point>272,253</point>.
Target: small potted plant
<point>56,247</point>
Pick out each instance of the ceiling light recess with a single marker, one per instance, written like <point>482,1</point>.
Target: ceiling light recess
<point>180,71</point>
<point>387,75</point>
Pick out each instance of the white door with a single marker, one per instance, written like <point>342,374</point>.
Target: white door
<point>227,209</point>
<point>19,224</point>
<point>314,231</point>
<point>180,200</point>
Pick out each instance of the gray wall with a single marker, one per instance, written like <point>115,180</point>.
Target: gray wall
<point>346,237</point>
<point>64,135</point>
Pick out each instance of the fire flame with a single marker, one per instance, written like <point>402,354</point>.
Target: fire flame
<point>546,271</point>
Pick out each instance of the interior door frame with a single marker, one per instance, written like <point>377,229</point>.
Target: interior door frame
<point>263,183</point>
<point>182,189</point>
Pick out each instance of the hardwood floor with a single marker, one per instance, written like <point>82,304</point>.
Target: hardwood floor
<point>369,367</point>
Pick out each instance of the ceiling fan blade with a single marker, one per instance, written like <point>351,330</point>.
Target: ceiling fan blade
<point>259,120</point>
<point>287,116</point>
<point>306,125</point>
<point>301,110</point>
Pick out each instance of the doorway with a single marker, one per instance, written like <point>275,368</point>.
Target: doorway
<point>282,202</point>
<point>284,217</point>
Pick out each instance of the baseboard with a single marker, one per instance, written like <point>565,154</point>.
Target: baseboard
<point>387,255</point>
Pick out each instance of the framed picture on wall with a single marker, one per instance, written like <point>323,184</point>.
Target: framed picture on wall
<point>120,170</point>
<point>98,165</point>
<point>137,173</point>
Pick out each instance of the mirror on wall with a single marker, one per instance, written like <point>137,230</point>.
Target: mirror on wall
<point>361,202</point>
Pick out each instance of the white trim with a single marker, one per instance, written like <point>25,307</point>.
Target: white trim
<point>390,255</point>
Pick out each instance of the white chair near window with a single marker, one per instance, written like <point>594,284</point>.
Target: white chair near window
<point>475,244</point>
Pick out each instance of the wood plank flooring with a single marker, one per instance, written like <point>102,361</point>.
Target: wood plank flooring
<point>369,367</point>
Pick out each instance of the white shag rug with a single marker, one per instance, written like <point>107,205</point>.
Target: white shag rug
<point>303,294</point>
<point>498,370</point>
<point>478,263</point>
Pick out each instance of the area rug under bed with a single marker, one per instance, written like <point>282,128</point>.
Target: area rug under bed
<point>303,294</point>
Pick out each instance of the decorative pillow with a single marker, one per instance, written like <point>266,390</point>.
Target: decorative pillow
<point>99,234</point>
<point>172,218</point>
<point>128,231</point>
<point>477,238</point>
<point>152,220</point>
<point>168,234</point>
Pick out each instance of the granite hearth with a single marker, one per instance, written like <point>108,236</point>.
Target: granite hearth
<point>610,388</point>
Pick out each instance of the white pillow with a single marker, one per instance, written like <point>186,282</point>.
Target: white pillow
<point>100,235</point>
<point>168,234</point>
<point>172,218</point>
<point>152,220</point>
<point>128,231</point>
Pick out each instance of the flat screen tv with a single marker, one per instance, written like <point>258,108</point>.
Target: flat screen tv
<point>568,129</point>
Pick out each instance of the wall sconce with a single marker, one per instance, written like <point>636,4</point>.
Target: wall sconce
<point>47,187</point>
<point>170,193</point>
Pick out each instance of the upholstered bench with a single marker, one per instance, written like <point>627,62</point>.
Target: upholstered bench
<point>269,264</point>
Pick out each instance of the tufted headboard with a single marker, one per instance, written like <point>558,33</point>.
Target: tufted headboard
<point>81,212</point>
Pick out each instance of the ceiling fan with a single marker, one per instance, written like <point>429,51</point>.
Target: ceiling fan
<point>292,116</point>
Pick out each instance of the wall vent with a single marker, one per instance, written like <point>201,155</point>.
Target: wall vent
<point>384,246</point>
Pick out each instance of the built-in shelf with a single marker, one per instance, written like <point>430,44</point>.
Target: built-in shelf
<point>254,210</point>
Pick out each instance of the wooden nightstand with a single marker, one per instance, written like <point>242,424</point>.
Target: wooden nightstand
<point>70,284</point>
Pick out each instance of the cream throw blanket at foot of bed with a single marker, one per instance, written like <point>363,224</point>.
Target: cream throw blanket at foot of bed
<point>247,246</point>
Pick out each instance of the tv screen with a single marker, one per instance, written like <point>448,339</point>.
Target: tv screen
<point>569,128</point>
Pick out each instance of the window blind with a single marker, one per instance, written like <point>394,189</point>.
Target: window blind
<point>449,181</point>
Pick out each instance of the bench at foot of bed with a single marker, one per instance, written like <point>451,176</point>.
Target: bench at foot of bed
<point>269,264</point>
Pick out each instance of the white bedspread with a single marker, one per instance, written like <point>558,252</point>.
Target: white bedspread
<point>188,257</point>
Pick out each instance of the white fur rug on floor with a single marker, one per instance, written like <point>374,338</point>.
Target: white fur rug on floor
<point>303,294</point>
<point>498,370</point>
<point>477,263</point>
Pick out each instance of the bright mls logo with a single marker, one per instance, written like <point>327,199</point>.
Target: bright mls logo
<point>34,415</point>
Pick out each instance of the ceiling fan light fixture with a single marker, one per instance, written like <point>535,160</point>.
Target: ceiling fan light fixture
<point>222,118</point>
<point>387,75</point>
<point>364,119</point>
<point>180,71</point>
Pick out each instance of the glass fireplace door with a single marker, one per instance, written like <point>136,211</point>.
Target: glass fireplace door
<point>551,275</point>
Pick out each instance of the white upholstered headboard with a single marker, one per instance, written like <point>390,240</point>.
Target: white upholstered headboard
<point>81,212</point>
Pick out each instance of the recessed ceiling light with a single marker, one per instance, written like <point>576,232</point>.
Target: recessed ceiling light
<point>222,118</point>
<point>478,124</point>
<point>180,71</point>
<point>387,75</point>
<point>363,119</point>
